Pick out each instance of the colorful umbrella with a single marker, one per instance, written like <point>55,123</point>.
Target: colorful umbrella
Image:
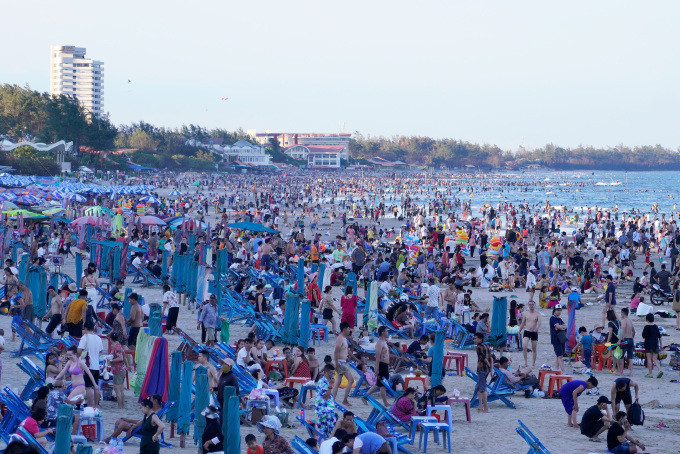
<point>151,220</point>
<point>25,213</point>
<point>150,199</point>
<point>90,220</point>
<point>54,212</point>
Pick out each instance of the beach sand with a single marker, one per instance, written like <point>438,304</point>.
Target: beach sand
<point>492,432</point>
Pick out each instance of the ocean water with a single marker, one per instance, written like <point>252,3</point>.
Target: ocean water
<point>577,189</point>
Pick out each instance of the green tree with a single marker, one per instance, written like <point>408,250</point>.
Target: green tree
<point>142,140</point>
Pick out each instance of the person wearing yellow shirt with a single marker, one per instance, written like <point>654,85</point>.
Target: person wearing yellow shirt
<point>76,314</point>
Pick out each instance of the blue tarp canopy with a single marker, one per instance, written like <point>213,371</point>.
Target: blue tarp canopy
<point>252,226</point>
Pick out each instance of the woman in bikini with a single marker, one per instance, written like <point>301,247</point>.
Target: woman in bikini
<point>89,281</point>
<point>77,369</point>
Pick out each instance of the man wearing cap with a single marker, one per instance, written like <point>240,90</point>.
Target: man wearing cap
<point>594,421</point>
<point>557,325</point>
<point>574,297</point>
<point>227,378</point>
<point>213,437</point>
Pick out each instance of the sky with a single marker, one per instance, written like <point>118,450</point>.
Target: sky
<point>520,73</point>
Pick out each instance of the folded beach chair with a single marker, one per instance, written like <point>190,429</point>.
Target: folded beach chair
<point>301,447</point>
<point>380,412</point>
<point>496,390</point>
<point>462,338</point>
<point>311,429</point>
<point>535,445</point>
<point>382,320</point>
<point>397,440</point>
<point>32,441</point>
<point>36,377</point>
<point>33,339</point>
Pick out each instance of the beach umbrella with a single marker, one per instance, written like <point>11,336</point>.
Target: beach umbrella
<point>303,341</point>
<point>175,192</point>
<point>7,205</point>
<point>187,224</point>
<point>438,358</point>
<point>157,376</point>
<point>291,319</point>
<point>150,199</point>
<point>25,200</point>
<point>8,195</point>
<point>233,435</point>
<point>155,319</point>
<point>62,437</point>
<point>173,388</point>
<point>184,420</point>
<point>571,324</point>
<point>202,400</point>
<point>54,212</point>
<point>499,322</point>
<point>24,213</point>
<point>151,220</point>
<point>91,220</point>
<point>75,198</point>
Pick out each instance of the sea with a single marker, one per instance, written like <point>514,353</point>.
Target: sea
<point>578,190</point>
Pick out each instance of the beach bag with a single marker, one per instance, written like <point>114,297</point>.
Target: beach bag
<point>636,416</point>
<point>561,336</point>
<point>676,302</point>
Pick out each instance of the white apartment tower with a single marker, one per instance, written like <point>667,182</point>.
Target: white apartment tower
<point>72,74</point>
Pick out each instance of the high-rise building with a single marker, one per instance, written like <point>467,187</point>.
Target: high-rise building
<point>72,74</point>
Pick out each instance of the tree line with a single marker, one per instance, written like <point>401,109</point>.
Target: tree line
<point>451,153</point>
<point>29,114</point>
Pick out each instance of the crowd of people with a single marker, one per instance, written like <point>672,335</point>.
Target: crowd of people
<point>431,254</point>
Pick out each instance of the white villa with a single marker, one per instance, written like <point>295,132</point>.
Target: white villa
<point>318,156</point>
<point>242,151</point>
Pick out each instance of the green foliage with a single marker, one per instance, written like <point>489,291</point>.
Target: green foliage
<point>25,113</point>
<point>455,153</point>
<point>143,141</point>
<point>27,160</point>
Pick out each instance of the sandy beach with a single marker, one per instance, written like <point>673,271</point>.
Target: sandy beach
<point>488,432</point>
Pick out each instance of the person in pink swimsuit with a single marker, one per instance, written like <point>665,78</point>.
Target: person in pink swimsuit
<point>76,368</point>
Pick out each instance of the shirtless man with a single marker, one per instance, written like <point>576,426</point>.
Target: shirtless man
<point>135,320</point>
<point>204,361</point>
<point>531,323</point>
<point>56,308</point>
<point>382,364</point>
<point>341,354</point>
<point>627,337</point>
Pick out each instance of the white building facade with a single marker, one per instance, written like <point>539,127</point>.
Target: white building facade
<point>321,156</point>
<point>242,151</point>
<point>72,74</point>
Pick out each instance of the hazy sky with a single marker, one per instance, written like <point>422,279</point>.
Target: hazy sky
<point>500,72</point>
